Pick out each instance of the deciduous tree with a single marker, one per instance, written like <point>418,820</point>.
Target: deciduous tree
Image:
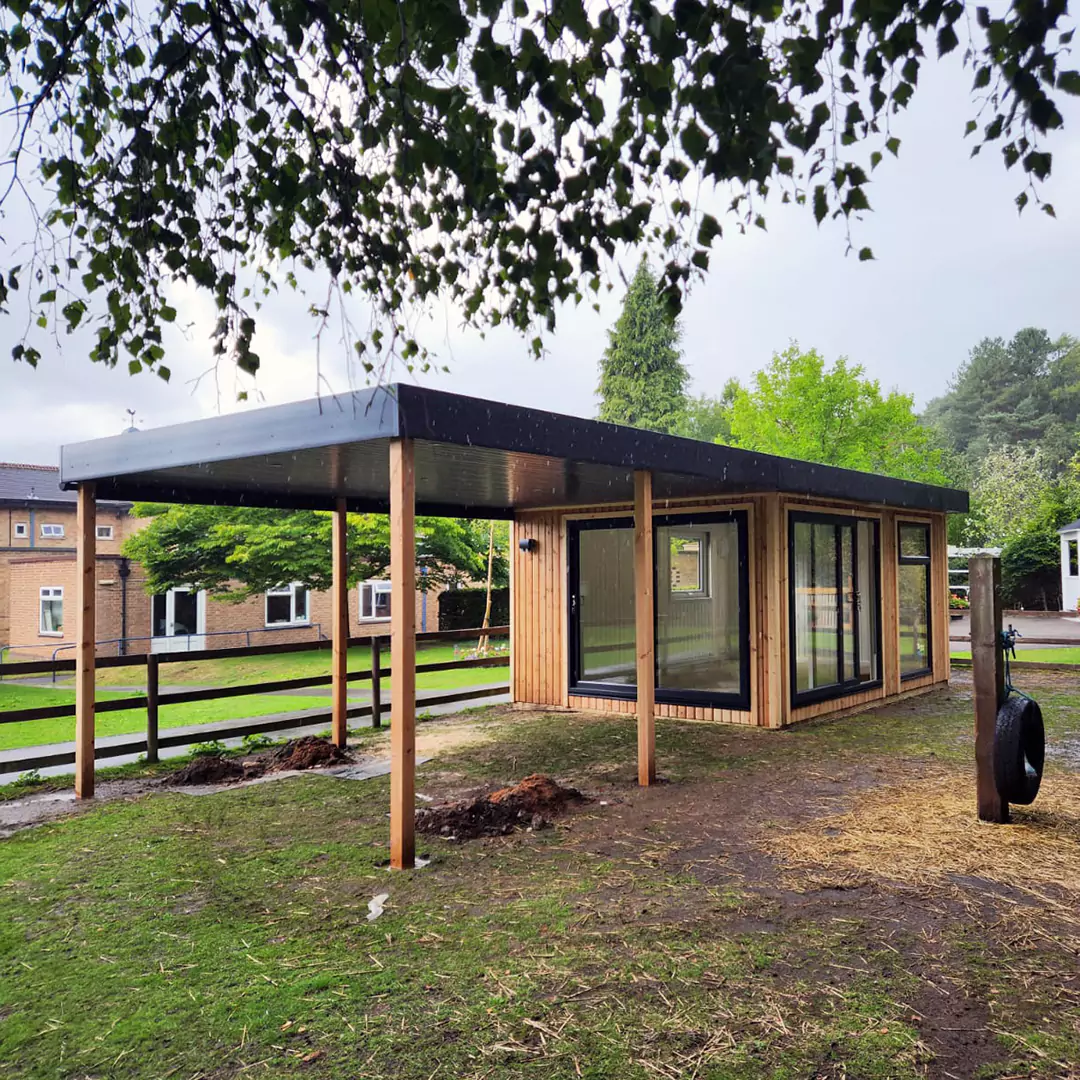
<point>798,407</point>
<point>491,153</point>
<point>236,552</point>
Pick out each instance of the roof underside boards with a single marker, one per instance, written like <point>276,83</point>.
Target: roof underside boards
<point>473,457</point>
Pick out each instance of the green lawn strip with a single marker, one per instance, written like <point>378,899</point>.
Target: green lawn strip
<point>234,671</point>
<point>1063,654</point>
<point>128,721</point>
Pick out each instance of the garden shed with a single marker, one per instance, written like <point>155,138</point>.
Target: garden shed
<point>650,574</point>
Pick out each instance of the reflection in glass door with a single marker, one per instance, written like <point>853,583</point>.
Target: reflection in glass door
<point>834,598</point>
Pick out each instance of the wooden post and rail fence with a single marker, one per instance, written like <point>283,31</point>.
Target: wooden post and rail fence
<point>154,699</point>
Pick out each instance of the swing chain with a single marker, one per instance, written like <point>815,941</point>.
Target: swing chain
<point>1008,647</point>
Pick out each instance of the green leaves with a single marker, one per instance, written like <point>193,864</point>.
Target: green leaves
<point>410,152</point>
<point>798,407</point>
<point>237,552</point>
<point>642,378</point>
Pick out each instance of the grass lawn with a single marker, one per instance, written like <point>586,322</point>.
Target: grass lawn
<point>226,672</point>
<point>39,732</point>
<point>249,669</point>
<point>654,934</point>
<point>1055,655</point>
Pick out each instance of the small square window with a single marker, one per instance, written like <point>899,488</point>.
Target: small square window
<point>374,601</point>
<point>21,530</point>
<point>287,606</point>
<point>104,532</point>
<point>51,612</point>
<point>53,532</point>
<point>689,563</point>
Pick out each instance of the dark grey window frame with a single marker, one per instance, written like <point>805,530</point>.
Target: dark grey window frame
<point>841,688</point>
<point>926,560</point>
<point>740,701</point>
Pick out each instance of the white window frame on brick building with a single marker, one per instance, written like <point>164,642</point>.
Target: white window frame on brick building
<point>21,530</point>
<point>52,531</point>
<point>51,595</point>
<point>374,601</point>
<point>299,602</point>
<point>104,532</point>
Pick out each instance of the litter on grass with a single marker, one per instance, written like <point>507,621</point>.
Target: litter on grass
<point>376,906</point>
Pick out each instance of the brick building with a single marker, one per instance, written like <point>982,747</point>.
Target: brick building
<point>37,522</point>
<point>38,588</point>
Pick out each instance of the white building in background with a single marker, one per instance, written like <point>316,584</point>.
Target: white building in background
<point>1070,566</point>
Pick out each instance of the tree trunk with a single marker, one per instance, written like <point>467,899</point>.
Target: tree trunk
<point>483,644</point>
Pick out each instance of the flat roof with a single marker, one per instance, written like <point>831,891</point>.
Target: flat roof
<point>474,458</point>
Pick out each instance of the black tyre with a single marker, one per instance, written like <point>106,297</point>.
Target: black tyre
<point>1019,750</point>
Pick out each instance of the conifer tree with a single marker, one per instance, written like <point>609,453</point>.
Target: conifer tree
<point>642,378</point>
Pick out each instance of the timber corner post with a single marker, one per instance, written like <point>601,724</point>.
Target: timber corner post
<point>339,688</point>
<point>644,588</point>
<point>988,672</point>
<point>402,654</point>
<point>85,637</point>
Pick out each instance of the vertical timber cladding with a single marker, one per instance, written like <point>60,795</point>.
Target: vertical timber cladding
<point>538,614</point>
<point>539,609</point>
<point>892,685</point>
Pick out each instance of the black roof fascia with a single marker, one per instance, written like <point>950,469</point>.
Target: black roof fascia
<point>440,416</point>
<point>304,425</point>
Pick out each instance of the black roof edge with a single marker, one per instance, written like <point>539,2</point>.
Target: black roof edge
<point>355,415</point>
<point>514,428</point>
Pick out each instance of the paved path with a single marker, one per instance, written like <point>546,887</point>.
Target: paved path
<point>176,741</point>
<point>1030,626</point>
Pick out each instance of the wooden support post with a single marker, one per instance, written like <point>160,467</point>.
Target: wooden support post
<point>376,681</point>
<point>988,670</point>
<point>643,617</point>
<point>402,654</point>
<point>85,604</point>
<point>152,665</point>
<point>339,666</point>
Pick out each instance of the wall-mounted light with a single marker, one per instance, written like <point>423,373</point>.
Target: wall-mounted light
<point>528,545</point>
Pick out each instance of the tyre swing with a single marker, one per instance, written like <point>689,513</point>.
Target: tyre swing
<point>1019,738</point>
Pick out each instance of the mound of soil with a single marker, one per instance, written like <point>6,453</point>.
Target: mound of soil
<point>531,803</point>
<point>212,769</point>
<point>308,752</point>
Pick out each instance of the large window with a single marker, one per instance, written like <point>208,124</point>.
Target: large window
<point>914,585</point>
<point>374,601</point>
<point>834,606</point>
<point>51,612</point>
<point>287,605</point>
<point>701,611</point>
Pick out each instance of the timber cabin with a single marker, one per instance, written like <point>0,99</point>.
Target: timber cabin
<point>650,574</point>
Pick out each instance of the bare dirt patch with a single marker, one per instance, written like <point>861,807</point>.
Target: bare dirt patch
<point>530,804</point>
<point>308,752</point>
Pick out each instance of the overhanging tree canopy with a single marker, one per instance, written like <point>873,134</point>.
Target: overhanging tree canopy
<point>493,152</point>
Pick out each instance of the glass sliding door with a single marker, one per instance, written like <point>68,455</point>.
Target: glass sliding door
<point>834,602</point>
<point>701,611</point>
<point>701,608</point>
<point>604,605</point>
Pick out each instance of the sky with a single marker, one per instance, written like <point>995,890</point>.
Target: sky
<point>954,263</point>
